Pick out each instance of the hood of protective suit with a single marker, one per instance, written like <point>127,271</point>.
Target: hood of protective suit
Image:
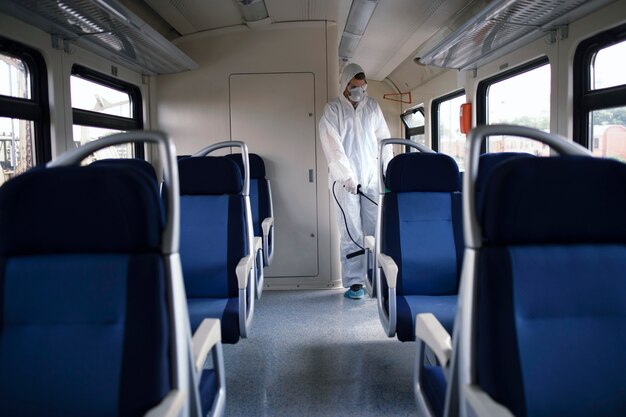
<point>348,73</point>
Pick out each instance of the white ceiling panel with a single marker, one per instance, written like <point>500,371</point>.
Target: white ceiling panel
<point>294,10</point>
<point>190,16</point>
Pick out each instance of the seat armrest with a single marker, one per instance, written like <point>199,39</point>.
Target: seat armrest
<point>243,270</point>
<point>266,225</point>
<point>171,406</point>
<point>390,269</point>
<point>482,404</point>
<point>258,244</point>
<point>429,330</point>
<point>206,336</point>
<point>369,243</point>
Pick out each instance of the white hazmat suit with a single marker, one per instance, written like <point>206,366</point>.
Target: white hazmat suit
<point>350,139</point>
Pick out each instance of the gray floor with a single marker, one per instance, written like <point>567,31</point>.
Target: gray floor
<point>316,353</point>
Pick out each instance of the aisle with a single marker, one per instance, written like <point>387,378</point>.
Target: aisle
<point>315,353</point>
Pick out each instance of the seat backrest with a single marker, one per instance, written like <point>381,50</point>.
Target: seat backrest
<point>84,306</point>
<point>213,226</point>
<point>260,199</point>
<point>421,223</point>
<point>550,322</point>
<point>132,163</point>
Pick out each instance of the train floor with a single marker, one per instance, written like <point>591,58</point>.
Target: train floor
<point>316,353</point>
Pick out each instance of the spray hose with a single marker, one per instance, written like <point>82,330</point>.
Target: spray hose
<point>361,251</point>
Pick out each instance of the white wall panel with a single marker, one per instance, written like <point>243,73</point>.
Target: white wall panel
<point>274,115</point>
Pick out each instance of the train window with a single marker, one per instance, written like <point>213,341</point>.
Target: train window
<point>16,76</point>
<point>506,99</point>
<point>447,136</point>
<point>413,121</point>
<point>605,72</point>
<point>600,94</point>
<point>102,105</point>
<point>24,113</point>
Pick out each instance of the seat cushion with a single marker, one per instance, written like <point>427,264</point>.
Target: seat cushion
<point>225,309</point>
<point>442,306</point>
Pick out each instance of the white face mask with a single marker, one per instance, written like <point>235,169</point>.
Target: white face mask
<point>357,94</point>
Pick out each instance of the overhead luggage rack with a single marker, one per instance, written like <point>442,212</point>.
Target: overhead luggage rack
<point>106,28</point>
<point>503,26</point>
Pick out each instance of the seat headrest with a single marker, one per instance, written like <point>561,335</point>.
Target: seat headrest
<point>418,171</point>
<point>133,163</point>
<point>100,209</point>
<point>488,162</point>
<point>257,166</point>
<point>555,200</point>
<point>209,175</point>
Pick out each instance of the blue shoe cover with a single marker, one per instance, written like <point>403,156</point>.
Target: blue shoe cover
<point>354,295</point>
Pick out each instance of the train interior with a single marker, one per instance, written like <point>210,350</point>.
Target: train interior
<point>249,80</point>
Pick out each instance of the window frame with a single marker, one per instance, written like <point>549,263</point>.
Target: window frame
<point>482,106</point>
<point>435,115</point>
<point>483,86</point>
<point>108,121</point>
<point>37,108</point>
<point>587,100</point>
<point>411,131</point>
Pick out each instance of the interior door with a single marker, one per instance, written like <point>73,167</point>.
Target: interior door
<point>275,115</point>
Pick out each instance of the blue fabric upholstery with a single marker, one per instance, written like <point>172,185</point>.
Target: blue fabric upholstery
<point>225,309</point>
<point>140,165</point>
<point>257,166</point>
<point>78,211</point>
<point>434,385</point>
<point>419,171</point>
<point>259,191</point>
<point>442,306</point>
<point>208,389</point>
<point>551,304</point>
<point>422,232</point>
<point>213,240</point>
<point>132,163</point>
<point>209,175</point>
<point>83,305</point>
<point>581,195</point>
<point>212,243</point>
<point>488,161</point>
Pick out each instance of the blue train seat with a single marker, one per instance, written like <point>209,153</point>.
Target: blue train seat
<point>526,207</point>
<point>550,288</point>
<point>261,203</point>
<point>421,239</point>
<point>431,381</point>
<point>370,247</point>
<point>91,294</point>
<point>215,255</point>
<point>262,212</point>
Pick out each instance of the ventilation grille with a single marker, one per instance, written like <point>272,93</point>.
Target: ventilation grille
<point>502,26</point>
<point>106,28</point>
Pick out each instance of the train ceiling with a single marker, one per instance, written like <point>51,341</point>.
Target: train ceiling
<point>439,33</point>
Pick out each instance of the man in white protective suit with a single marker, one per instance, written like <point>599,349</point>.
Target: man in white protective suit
<point>350,130</point>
